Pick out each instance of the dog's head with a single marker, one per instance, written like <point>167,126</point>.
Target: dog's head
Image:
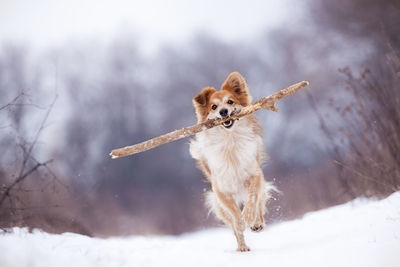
<point>233,95</point>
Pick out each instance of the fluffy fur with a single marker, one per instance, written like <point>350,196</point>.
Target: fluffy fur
<point>231,156</point>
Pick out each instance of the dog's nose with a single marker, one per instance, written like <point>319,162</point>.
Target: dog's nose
<point>223,112</point>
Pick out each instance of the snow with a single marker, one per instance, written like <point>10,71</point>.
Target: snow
<point>360,233</point>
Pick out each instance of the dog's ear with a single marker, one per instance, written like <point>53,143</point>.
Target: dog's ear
<point>236,84</point>
<point>203,98</point>
<point>201,101</point>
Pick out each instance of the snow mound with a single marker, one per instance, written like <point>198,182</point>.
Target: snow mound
<point>360,233</point>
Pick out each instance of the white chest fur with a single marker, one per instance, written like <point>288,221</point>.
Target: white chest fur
<point>231,155</point>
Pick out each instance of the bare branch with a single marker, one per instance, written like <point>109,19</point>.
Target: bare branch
<point>28,155</point>
<point>265,102</point>
<point>21,178</point>
<point>42,126</point>
<point>13,101</point>
<point>53,175</point>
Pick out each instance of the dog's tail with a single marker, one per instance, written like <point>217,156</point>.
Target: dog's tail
<point>270,188</point>
<point>211,202</point>
<point>269,191</point>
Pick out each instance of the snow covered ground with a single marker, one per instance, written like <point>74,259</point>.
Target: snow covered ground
<point>359,233</point>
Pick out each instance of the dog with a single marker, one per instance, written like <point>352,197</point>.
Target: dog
<point>230,156</point>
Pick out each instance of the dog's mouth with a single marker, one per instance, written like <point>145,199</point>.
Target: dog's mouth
<point>228,124</point>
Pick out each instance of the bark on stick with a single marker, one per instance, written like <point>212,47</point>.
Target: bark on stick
<point>265,102</point>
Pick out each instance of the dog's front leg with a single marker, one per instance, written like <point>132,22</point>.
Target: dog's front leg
<point>238,225</point>
<point>251,208</point>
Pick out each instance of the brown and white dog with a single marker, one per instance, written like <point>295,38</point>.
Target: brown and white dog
<point>230,155</point>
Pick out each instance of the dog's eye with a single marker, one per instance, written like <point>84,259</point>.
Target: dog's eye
<point>214,107</point>
<point>230,102</point>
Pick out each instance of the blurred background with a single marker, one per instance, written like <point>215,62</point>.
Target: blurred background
<point>79,78</point>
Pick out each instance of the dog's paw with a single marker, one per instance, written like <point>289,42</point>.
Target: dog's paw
<point>257,228</point>
<point>243,248</point>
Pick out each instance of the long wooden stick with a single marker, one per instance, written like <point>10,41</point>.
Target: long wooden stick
<point>265,102</point>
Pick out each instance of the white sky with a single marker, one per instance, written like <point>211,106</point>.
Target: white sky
<point>48,22</point>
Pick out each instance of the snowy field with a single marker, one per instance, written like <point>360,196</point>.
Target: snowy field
<point>359,233</point>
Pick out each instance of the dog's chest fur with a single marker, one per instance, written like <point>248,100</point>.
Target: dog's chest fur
<point>231,155</point>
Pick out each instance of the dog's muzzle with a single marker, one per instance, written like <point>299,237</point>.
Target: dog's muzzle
<point>224,113</point>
